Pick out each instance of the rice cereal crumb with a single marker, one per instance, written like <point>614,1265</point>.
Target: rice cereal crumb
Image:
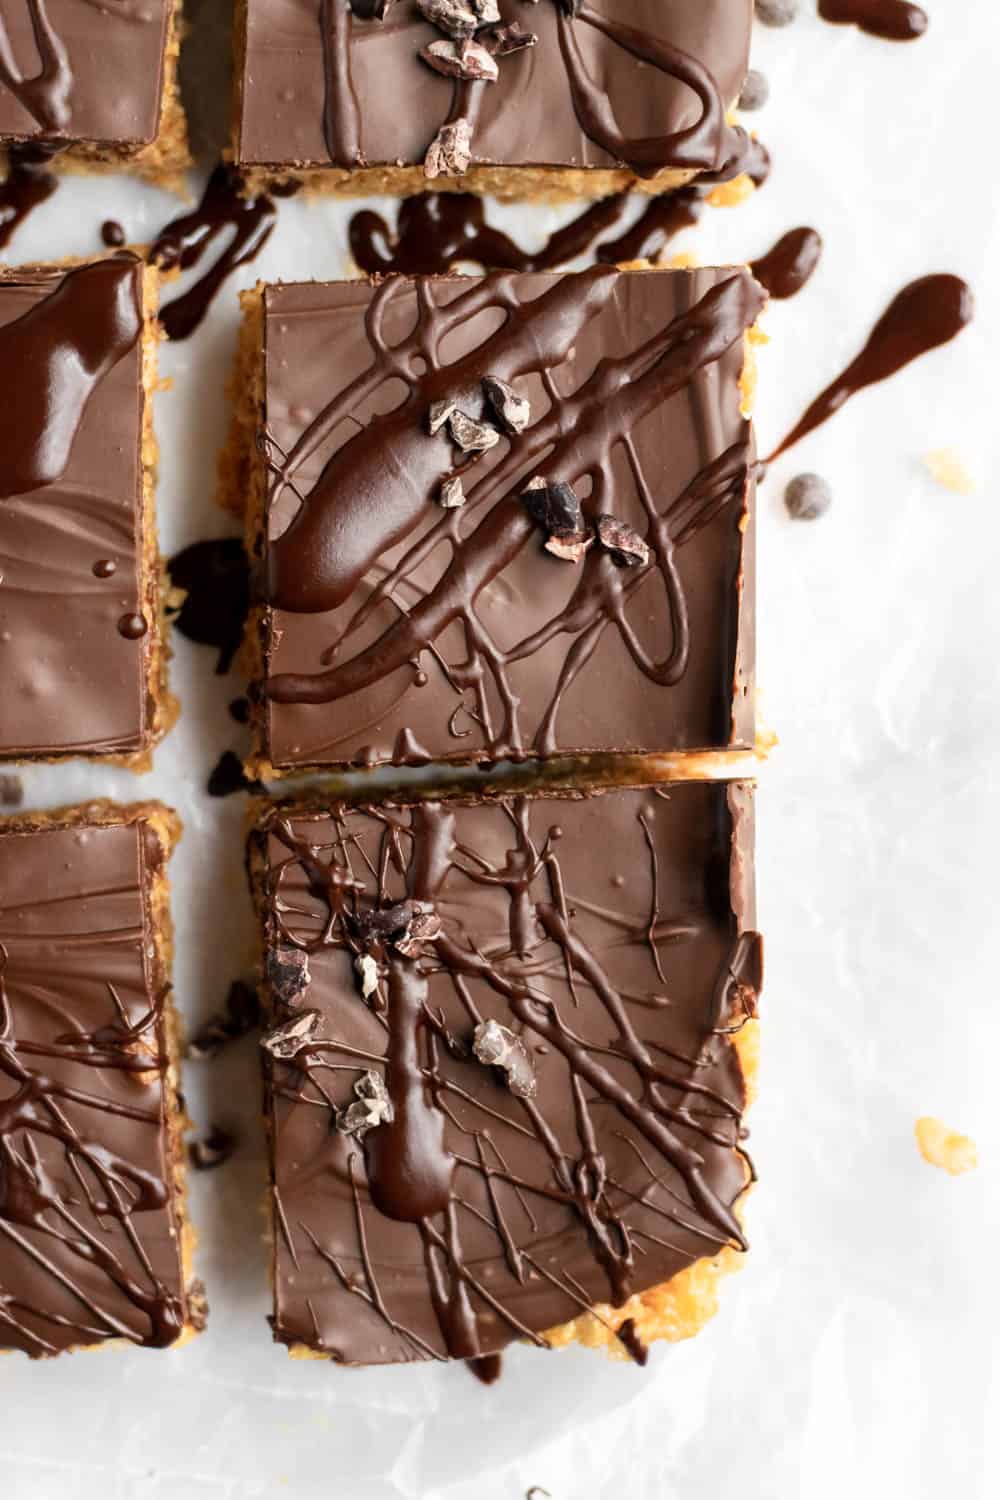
<point>944,465</point>
<point>944,1148</point>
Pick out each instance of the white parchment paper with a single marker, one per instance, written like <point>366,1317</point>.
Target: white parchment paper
<point>856,1354</point>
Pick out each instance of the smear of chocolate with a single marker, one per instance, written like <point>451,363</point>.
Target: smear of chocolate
<point>112,234</point>
<point>240,1017</point>
<point>487,1368</point>
<point>11,789</point>
<point>184,241</point>
<point>788,265</point>
<point>61,348</point>
<point>213,1151</point>
<point>28,183</point>
<point>924,315</point>
<point>892,20</point>
<point>239,710</point>
<point>215,576</point>
<point>228,776</point>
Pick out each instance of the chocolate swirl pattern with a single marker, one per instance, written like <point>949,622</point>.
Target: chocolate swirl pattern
<point>390,632</point>
<point>88,1238</point>
<point>475,1212</point>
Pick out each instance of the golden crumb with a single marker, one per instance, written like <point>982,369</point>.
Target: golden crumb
<point>945,1148</point>
<point>684,260</point>
<point>944,465</point>
<point>730,194</point>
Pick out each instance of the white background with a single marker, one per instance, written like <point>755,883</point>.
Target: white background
<point>856,1353</point>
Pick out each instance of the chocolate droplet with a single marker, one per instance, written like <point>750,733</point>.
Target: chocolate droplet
<point>133,627</point>
<point>104,567</point>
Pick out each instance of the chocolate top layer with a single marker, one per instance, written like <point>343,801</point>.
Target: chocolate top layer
<point>82,70</point>
<point>443,1185</point>
<point>70,511</point>
<point>637,82</point>
<point>88,1239</point>
<point>402,630</point>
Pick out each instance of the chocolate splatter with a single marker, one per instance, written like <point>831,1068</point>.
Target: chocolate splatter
<point>240,1017</point>
<point>228,776</point>
<point>215,576</point>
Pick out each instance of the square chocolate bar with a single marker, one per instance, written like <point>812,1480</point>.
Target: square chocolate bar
<point>508,1050</point>
<point>512,98</point>
<point>500,518</point>
<point>94,1243</point>
<point>82,651</point>
<point>92,84</point>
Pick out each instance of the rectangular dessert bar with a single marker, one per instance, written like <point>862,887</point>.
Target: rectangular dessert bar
<point>94,1242</point>
<point>514,99</point>
<point>82,649</point>
<point>93,85</point>
<point>500,518</point>
<point>508,1050</point>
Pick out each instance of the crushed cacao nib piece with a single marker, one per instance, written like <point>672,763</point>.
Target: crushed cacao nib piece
<point>627,548</point>
<point>471,436</point>
<point>505,40</point>
<point>288,974</point>
<point>405,926</point>
<point>289,1038</point>
<point>498,1047</point>
<point>242,1015</point>
<point>569,546</point>
<point>457,18</point>
<point>216,1149</point>
<point>468,60</point>
<point>488,12</point>
<point>368,971</point>
<point>371,1107</point>
<point>440,412</point>
<point>451,494</point>
<point>513,410</point>
<point>554,506</point>
<point>450,152</point>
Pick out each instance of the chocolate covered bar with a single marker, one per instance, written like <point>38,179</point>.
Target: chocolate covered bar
<point>511,98</point>
<point>82,652</point>
<point>93,86</point>
<point>499,519</point>
<point>508,1047</point>
<point>94,1243</point>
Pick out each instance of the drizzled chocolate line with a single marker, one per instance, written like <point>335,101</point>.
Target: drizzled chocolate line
<point>464,1163</point>
<point>62,348</point>
<point>338,534</point>
<point>707,144</point>
<point>45,94</point>
<point>73,1208</point>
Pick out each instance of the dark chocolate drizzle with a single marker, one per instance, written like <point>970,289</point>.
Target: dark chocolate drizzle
<point>184,241</point>
<point>924,315</point>
<point>27,185</point>
<point>62,348</point>
<point>336,535</point>
<point>45,94</point>
<point>627,1072</point>
<point>215,577</point>
<point>892,20</point>
<point>73,1211</point>
<point>437,231</point>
